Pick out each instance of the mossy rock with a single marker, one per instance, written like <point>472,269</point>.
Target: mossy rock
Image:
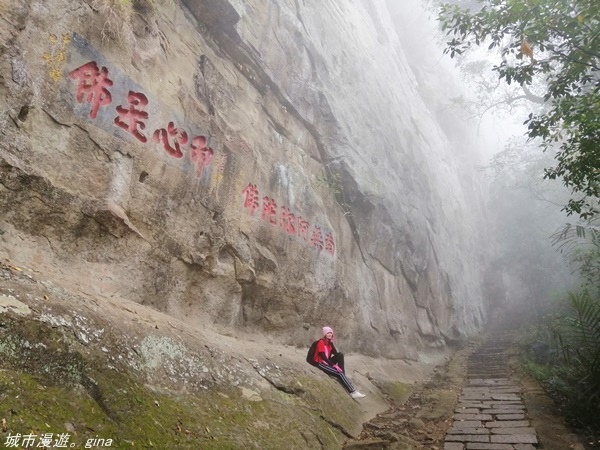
<point>396,391</point>
<point>50,383</point>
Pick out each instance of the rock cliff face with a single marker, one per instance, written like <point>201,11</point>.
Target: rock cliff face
<point>262,165</point>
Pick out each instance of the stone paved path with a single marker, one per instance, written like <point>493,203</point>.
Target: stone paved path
<point>490,414</point>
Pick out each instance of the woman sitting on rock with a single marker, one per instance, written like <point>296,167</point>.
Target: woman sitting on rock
<point>330,361</point>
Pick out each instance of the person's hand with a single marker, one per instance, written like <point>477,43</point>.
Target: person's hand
<point>338,368</point>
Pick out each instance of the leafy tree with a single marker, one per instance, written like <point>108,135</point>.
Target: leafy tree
<point>556,44</point>
<point>581,244</point>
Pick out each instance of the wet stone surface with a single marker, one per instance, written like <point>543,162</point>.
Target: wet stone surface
<point>516,415</point>
<point>490,413</point>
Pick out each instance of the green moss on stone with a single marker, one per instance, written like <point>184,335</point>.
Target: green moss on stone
<point>51,384</point>
<point>396,391</point>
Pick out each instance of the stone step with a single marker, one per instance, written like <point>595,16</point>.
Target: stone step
<point>490,413</point>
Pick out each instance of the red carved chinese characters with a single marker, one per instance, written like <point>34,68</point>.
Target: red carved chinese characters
<point>329,244</point>
<point>93,83</point>
<point>92,88</point>
<point>317,238</point>
<point>303,226</point>
<point>130,119</point>
<point>288,221</point>
<point>269,211</point>
<point>251,200</point>
<point>178,135</point>
<point>201,154</point>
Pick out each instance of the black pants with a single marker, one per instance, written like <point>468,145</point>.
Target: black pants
<point>338,359</point>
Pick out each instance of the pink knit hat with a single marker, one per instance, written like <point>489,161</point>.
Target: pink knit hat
<point>327,330</point>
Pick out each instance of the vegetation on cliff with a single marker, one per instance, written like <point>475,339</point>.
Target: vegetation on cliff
<point>549,50</point>
<point>554,46</point>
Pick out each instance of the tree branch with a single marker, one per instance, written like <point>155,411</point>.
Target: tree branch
<point>531,96</point>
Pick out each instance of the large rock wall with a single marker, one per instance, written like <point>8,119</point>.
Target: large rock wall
<point>267,165</point>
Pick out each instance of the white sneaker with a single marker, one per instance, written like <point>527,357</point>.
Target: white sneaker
<point>356,394</point>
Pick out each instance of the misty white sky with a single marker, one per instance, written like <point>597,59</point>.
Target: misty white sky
<point>494,128</point>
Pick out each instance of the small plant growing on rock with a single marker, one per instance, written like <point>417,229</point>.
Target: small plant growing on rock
<point>332,181</point>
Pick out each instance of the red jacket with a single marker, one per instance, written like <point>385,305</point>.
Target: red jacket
<point>324,346</point>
